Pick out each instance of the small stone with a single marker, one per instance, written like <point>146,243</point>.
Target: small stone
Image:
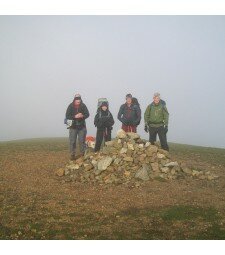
<point>127,173</point>
<point>155,167</point>
<point>147,144</point>
<point>141,145</point>
<point>94,162</point>
<point>164,152</point>
<point>80,160</point>
<point>195,173</point>
<point>121,134</point>
<point>88,167</point>
<point>67,171</point>
<point>117,161</point>
<point>151,149</point>
<point>173,171</point>
<point>130,146</point>
<point>133,136</point>
<point>160,156</point>
<point>171,164</point>
<point>60,172</point>
<point>165,170</point>
<point>128,159</point>
<point>187,170</point>
<point>123,151</point>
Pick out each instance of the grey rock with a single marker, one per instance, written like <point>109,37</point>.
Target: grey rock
<point>143,173</point>
<point>171,164</point>
<point>103,164</point>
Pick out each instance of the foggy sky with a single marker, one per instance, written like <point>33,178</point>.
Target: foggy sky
<point>45,60</point>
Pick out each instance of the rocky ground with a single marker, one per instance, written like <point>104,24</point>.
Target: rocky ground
<point>132,198</point>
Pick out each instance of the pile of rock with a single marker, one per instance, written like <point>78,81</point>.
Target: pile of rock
<point>128,159</point>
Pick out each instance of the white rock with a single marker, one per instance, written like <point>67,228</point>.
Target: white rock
<point>160,156</point>
<point>130,146</point>
<point>104,163</point>
<point>133,136</point>
<point>121,134</point>
<point>123,151</point>
<point>171,164</point>
<point>147,144</point>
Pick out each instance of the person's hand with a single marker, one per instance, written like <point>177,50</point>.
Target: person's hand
<point>78,116</point>
<point>146,128</point>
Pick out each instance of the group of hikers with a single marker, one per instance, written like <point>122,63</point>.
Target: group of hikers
<point>156,118</point>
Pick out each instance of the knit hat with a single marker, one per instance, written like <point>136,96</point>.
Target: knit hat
<point>128,96</point>
<point>77,97</point>
<point>104,104</point>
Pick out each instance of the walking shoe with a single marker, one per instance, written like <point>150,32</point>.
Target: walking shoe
<point>72,157</point>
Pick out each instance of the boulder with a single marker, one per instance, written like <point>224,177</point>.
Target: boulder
<point>143,173</point>
<point>104,163</point>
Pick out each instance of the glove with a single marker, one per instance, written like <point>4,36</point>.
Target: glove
<point>146,128</point>
<point>166,129</point>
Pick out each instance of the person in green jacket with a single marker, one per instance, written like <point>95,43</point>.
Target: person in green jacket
<point>156,121</point>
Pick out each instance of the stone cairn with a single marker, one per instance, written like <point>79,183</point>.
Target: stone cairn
<point>128,160</point>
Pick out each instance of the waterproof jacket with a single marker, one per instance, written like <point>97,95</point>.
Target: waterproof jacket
<point>72,111</point>
<point>156,115</point>
<point>130,115</point>
<point>103,119</point>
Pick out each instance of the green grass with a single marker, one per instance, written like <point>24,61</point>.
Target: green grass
<point>35,144</point>
<point>208,154</point>
<point>189,213</point>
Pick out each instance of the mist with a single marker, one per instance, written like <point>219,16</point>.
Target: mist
<point>46,60</point>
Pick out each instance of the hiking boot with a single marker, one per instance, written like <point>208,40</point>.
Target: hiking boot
<point>72,157</point>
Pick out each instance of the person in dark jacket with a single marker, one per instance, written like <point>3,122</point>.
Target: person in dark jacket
<point>130,114</point>
<point>104,122</point>
<point>77,112</point>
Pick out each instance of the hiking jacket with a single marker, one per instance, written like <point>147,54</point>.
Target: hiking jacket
<point>129,116</point>
<point>72,111</point>
<point>103,119</point>
<point>156,115</point>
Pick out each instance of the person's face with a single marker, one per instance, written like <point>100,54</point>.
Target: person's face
<point>104,108</point>
<point>156,100</point>
<point>77,101</point>
<point>129,100</point>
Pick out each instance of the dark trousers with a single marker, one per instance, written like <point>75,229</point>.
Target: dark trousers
<point>129,128</point>
<point>153,131</point>
<point>102,133</point>
<point>81,134</point>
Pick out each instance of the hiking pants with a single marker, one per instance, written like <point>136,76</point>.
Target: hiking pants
<point>153,131</point>
<point>129,128</point>
<point>81,134</point>
<point>102,133</point>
